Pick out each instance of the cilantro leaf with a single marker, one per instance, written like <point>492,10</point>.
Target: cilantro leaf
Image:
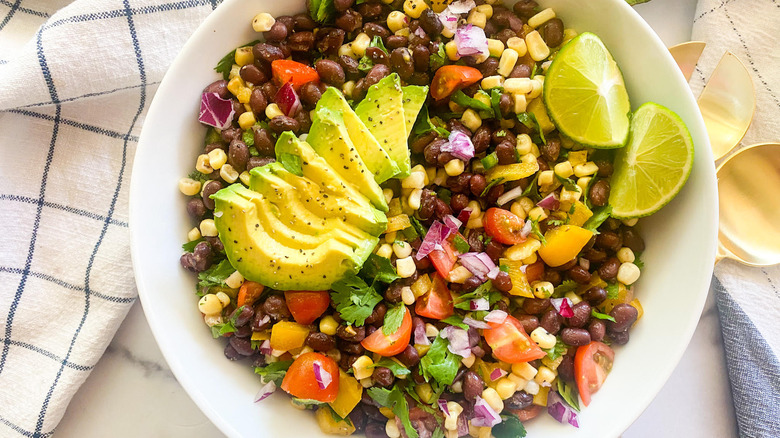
<point>395,400</point>
<point>490,185</point>
<point>594,313</point>
<point>421,231</point>
<point>438,433</point>
<point>226,63</point>
<point>457,321</point>
<point>510,427</point>
<point>438,59</point>
<point>290,162</point>
<point>218,330</point>
<point>537,232</point>
<point>569,394</point>
<point>274,371</point>
<point>215,275</point>
<point>397,369</point>
<point>565,287</point>
<point>306,403</point>
<point>461,245</point>
<point>567,183</point>
<point>532,191</point>
<point>190,246</point>
<point>424,124</point>
<point>599,216</point>
<point>393,319</point>
<point>495,100</point>
<point>212,136</point>
<point>440,363</point>
<point>355,300</point>
<point>197,176</point>
<point>636,2</point>
<point>639,263</point>
<point>444,194</point>
<point>377,268</point>
<point>529,120</point>
<point>322,11</point>
<point>463,99</point>
<point>613,290</point>
<point>556,351</point>
<point>485,290</point>
<point>365,64</point>
<point>248,137</point>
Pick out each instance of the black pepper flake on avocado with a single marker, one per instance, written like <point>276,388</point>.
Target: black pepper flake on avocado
<point>235,241</point>
<point>229,229</point>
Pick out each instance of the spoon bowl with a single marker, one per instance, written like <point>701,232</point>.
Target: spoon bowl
<point>749,206</point>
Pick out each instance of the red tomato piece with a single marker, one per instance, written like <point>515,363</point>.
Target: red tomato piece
<point>307,305</point>
<point>392,344</point>
<point>436,303</point>
<point>592,363</point>
<point>444,260</point>
<point>504,226</point>
<point>534,271</point>
<point>510,343</point>
<point>249,293</point>
<point>284,71</point>
<point>451,78</point>
<point>301,381</point>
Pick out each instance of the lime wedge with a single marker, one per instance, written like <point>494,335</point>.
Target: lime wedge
<point>653,167</point>
<point>585,94</point>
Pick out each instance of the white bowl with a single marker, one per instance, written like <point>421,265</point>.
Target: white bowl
<point>680,239</point>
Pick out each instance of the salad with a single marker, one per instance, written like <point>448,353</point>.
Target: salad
<point>418,218</point>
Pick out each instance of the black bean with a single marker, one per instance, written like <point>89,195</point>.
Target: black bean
<point>595,295</point>
<point>506,153</point>
<point>502,282</point>
<point>460,183</point>
<point>419,143</point>
<point>599,193</point>
<point>343,5</point>
<point>375,430</point>
<point>209,189</point>
<point>369,10</point>
<point>269,91</point>
<point>609,240</point>
<point>243,346</point>
<point>393,292</point>
<point>494,193</point>
<point>320,341</point>
<point>427,204</point>
<point>579,274</point>
<point>216,244</point>
<point>267,52</point>
<point>605,168</point>
<point>430,22</point>
<point>301,41</point>
<point>504,35</point>
<point>230,134</point>
<point>196,208</point>
<point>349,20</point>
<point>330,72</point>
<point>409,357</point>
<point>597,329</point>
<point>521,71</point>
<point>264,142</point>
<point>396,41</point>
<point>383,376</point>
<point>481,140</point>
<point>421,56</point>
<point>441,209</point>
<point>566,369</point>
<point>304,22</point>
<point>280,124</point>
<point>581,316</point>
<point>619,338</point>
<point>276,307</point>
<point>551,149</point>
<point>219,87</point>
<point>351,334</point>
<point>353,347</point>
<point>242,316</point>
<point>375,29</point>
<point>258,162</point>
<point>494,250</point>
<point>529,322</point>
<point>552,32</point>
<point>551,321</point>
<point>594,255</point>
<point>633,240</point>
<point>238,154</point>
<point>199,259</point>
<point>402,62</point>
<point>625,315</point>
<point>433,150</point>
<point>259,321</point>
<point>472,386</point>
<point>506,105</point>
<point>328,40</point>
<point>257,101</point>
<point>458,202</point>
<point>376,74</point>
<point>310,94</point>
<point>609,269</point>
<point>502,135</point>
<point>576,337</point>
<point>231,352</point>
<point>278,32</point>
<point>525,8</point>
<point>519,400</point>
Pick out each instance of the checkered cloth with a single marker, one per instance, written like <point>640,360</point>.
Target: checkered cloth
<point>75,80</point>
<point>748,298</point>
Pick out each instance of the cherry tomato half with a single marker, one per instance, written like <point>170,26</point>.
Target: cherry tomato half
<point>301,381</point>
<point>307,305</point>
<point>510,343</point>
<point>436,303</point>
<point>392,344</point>
<point>444,259</point>
<point>592,363</point>
<point>284,71</point>
<point>249,293</point>
<point>451,78</point>
<point>504,226</point>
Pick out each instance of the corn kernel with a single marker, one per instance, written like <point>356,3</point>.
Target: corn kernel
<point>542,338</point>
<point>552,363</point>
<point>414,8</point>
<point>468,362</point>
<point>471,120</point>
<point>193,234</point>
<point>451,49</point>
<point>415,199</point>
<point>532,387</point>
<point>491,82</point>
<point>235,280</point>
<point>223,298</point>
<point>346,50</point>
<point>361,367</point>
<point>217,158</point>
<point>189,186</point>
<point>626,255</point>
<point>568,35</point>
<point>415,180</point>
<point>236,84</point>
<point>518,381</point>
<point>424,391</point>
<point>582,183</point>
<point>451,420</point>
<point>586,169</point>
<point>235,71</point>
<point>526,203</point>
<point>564,169</point>
<point>391,429</point>
<point>537,48</point>
<point>475,222</point>
<point>360,44</point>
<point>518,45</point>
<point>536,89</point>
<point>484,432</point>
<point>546,177</point>
<point>328,325</point>
<point>531,259</point>
<point>507,123</point>
<point>244,56</point>
<point>390,237</point>
<point>506,64</point>
<point>524,370</point>
<point>407,296</point>
<point>541,18</point>
<point>431,331</point>
<point>385,250</point>
<point>520,103</point>
<point>505,388</point>
<point>542,289</point>
<point>477,18</point>
<point>518,211</point>
<point>544,376</point>
<point>396,21</point>
<point>405,267</point>
<point>203,165</point>
<point>628,273</point>
<point>209,304</point>
<point>518,85</point>
<point>454,167</point>
<point>246,120</point>
<point>630,222</point>
<point>578,157</point>
<point>213,319</point>
<point>570,196</point>
<point>273,110</point>
<point>537,214</point>
<point>522,251</point>
<point>492,398</point>
<point>263,22</point>
<point>207,228</point>
<point>388,194</point>
<point>404,32</point>
<point>459,275</point>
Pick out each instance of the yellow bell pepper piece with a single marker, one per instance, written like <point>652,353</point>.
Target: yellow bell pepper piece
<point>520,285</point>
<point>329,425</point>
<point>422,285</point>
<point>638,306</point>
<point>394,207</point>
<point>512,172</point>
<point>261,336</point>
<point>563,244</point>
<point>540,399</point>
<point>350,393</point>
<point>580,215</point>
<point>288,335</point>
<point>536,107</point>
<point>398,223</point>
<point>625,295</point>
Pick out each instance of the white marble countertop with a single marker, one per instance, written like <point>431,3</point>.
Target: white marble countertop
<point>132,393</point>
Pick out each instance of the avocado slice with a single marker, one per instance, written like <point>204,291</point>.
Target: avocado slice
<point>382,111</point>
<point>377,161</point>
<point>317,206</point>
<point>252,247</point>
<point>330,139</point>
<point>414,99</point>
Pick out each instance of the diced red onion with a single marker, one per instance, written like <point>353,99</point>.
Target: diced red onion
<point>419,335</point>
<point>496,316</point>
<point>216,111</point>
<point>452,223</point>
<point>479,264</point>
<point>459,144</point>
<point>462,6</point>
<point>497,374</point>
<point>443,406</point>
<point>493,274</point>
<point>463,425</point>
<point>471,322</point>
<point>431,240</point>
<point>563,306</point>
<point>449,20</point>
<point>459,340</point>
<point>484,415</point>
<point>464,215</point>
<point>550,202</point>
<point>527,228</point>
<point>265,347</point>
<point>471,40</point>
<point>584,263</point>
<point>265,391</point>
<point>479,304</point>
<point>287,100</point>
<point>323,377</point>
<point>510,195</point>
<point>560,410</point>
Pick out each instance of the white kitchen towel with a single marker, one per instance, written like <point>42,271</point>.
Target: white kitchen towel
<point>75,80</point>
<point>748,298</point>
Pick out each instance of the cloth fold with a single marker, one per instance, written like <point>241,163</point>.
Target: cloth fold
<point>748,298</point>
<point>76,78</point>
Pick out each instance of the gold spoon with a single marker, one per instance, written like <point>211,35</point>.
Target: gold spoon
<point>687,55</point>
<point>749,206</point>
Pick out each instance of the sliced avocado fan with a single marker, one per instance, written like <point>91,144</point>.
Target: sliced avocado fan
<point>413,100</point>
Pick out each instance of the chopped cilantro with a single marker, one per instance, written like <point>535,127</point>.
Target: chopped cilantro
<point>485,290</point>
<point>503,268</point>
<point>638,262</point>
<point>365,64</point>
<point>456,320</point>
<point>212,136</point>
<point>510,427</point>
<point>495,100</point>
<point>248,137</point>
<point>461,245</point>
<point>613,290</point>
<point>395,400</point>
<point>438,433</point>
<point>532,191</point>
<point>529,120</point>
<point>218,330</point>
<point>444,194</point>
<point>307,403</point>
<point>438,59</point>
<point>226,63</point>
<point>424,125</point>
<point>439,363</point>
<point>190,246</point>
<point>600,315</point>
<point>421,231</point>
<point>567,183</point>
<point>569,394</point>
<point>557,351</point>
<point>397,369</point>
<point>599,216</point>
<point>463,99</point>
<point>490,161</point>
<point>290,162</point>
<point>354,299</point>
<point>378,268</point>
<point>537,232</point>
<point>322,11</point>
<point>393,319</point>
<point>564,288</point>
<point>274,371</point>
<point>215,275</point>
<point>197,176</point>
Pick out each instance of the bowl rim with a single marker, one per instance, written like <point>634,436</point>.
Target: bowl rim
<point>178,365</point>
